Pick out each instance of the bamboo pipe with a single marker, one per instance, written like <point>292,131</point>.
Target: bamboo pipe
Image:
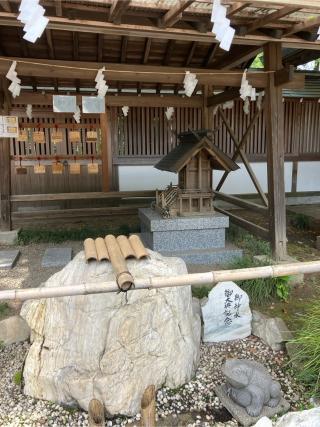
<point>123,278</point>
<point>209,278</point>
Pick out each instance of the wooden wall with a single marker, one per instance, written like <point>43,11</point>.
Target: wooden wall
<point>145,135</point>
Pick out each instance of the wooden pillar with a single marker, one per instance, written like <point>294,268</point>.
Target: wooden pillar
<point>205,110</point>
<point>5,185</point>
<point>275,152</point>
<point>106,151</point>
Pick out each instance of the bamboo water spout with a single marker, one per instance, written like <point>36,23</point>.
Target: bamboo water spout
<point>209,278</point>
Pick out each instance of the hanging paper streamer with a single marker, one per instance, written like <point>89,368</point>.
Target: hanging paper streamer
<point>246,90</point>
<point>318,38</point>
<point>190,82</point>
<point>169,113</point>
<point>12,75</point>
<point>246,106</point>
<point>32,15</point>
<point>259,100</point>
<point>125,110</point>
<point>221,25</point>
<point>77,114</point>
<point>29,111</point>
<point>101,85</point>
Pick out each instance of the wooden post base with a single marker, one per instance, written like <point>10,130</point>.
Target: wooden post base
<point>148,407</point>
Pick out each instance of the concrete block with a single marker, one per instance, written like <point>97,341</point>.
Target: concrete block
<point>8,237</point>
<point>8,258</point>
<point>56,257</point>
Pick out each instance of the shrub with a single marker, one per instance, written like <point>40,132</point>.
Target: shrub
<point>261,290</point>
<point>301,222</point>
<point>4,309</point>
<point>201,291</point>
<point>251,244</point>
<point>307,343</point>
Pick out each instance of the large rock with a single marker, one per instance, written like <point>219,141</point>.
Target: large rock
<point>226,314</point>
<point>308,418</point>
<point>272,331</point>
<point>14,330</point>
<point>105,347</point>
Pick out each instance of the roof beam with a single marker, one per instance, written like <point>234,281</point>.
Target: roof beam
<point>271,17</point>
<point>210,56</point>
<point>147,47</point>
<point>75,43</point>
<point>233,61</point>
<point>124,46</point>
<point>5,5</point>
<point>190,54</point>
<point>236,8</point>
<point>300,3</point>
<point>284,76</point>
<point>100,48</point>
<point>58,4</point>
<point>117,9</point>
<point>303,26</point>
<point>174,14</point>
<point>50,44</point>
<point>134,73</point>
<point>221,98</point>
<point>96,27</point>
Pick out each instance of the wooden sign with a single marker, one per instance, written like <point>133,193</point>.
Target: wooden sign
<point>57,168</point>
<point>74,168</point>
<point>39,137</point>
<point>39,169</point>
<point>93,168</point>
<point>74,136</point>
<point>23,136</point>
<point>56,137</point>
<point>9,127</point>
<point>20,170</point>
<point>92,136</point>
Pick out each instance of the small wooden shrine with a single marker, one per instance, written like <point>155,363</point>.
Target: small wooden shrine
<point>193,159</point>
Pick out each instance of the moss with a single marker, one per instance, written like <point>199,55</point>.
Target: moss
<point>17,378</point>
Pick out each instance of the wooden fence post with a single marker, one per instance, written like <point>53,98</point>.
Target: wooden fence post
<point>148,407</point>
<point>106,151</point>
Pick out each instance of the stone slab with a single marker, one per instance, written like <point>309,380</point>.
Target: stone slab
<point>56,257</point>
<point>8,258</point>
<point>219,256</point>
<point>154,221</point>
<point>241,415</point>
<point>8,237</point>
<point>184,239</point>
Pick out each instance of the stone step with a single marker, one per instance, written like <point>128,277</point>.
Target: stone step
<point>217,256</point>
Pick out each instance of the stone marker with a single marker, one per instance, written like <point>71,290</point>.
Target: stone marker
<point>8,258</point>
<point>111,346</point>
<point>272,331</point>
<point>226,315</point>
<point>56,257</point>
<point>14,330</point>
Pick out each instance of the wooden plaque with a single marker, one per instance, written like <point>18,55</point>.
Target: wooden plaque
<point>92,136</point>
<point>20,170</point>
<point>93,168</point>
<point>74,136</point>
<point>39,137</point>
<point>39,169</point>
<point>57,168</point>
<point>74,168</point>
<point>56,137</point>
<point>23,136</point>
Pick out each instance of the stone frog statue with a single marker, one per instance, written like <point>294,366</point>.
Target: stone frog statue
<point>250,385</point>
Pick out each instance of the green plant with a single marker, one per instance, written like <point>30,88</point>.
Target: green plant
<point>301,222</point>
<point>261,290</point>
<point>1,345</point>
<point>252,245</point>
<point>17,378</point>
<point>282,287</point>
<point>4,309</point>
<point>27,236</point>
<point>307,343</point>
<point>201,291</point>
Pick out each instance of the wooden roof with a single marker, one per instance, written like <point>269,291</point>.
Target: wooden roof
<point>157,33</point>
<point>189,146</point>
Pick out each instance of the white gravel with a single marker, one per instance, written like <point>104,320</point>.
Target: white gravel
<point>194,404</point>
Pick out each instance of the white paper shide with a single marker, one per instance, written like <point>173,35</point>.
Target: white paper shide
<point>190,82</point>
<point>15,87</point>
<point>32,15</point>
<point>221,25</point>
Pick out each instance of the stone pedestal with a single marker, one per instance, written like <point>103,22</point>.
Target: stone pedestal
<point>195,239</point>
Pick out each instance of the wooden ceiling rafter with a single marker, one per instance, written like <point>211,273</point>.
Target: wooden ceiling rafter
<point>117,9</point>
<point>210,55</point>
<point>174,14</point>
<point>233,61</point>
<point>303,26</point>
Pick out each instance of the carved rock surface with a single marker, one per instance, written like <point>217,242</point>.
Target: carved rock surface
<point>226,314</point>
<point>100,346</point>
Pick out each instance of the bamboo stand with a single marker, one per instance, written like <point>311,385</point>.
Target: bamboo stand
<point>209,278</point>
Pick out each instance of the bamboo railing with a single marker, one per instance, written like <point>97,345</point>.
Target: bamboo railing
<point>208,278</point>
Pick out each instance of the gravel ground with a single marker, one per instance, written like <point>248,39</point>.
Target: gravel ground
<point>191,405</point>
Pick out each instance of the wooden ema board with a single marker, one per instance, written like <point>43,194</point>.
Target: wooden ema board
<point>23,136</point>
<point>93,168</point>
<point>75,136</point>
<point>39,169</point>
<point>74,168</point>
<point>39,137</point>
<point>9,127</point>
<point>57,168</point>
<point>92,136</point>
<point>56,137</point>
